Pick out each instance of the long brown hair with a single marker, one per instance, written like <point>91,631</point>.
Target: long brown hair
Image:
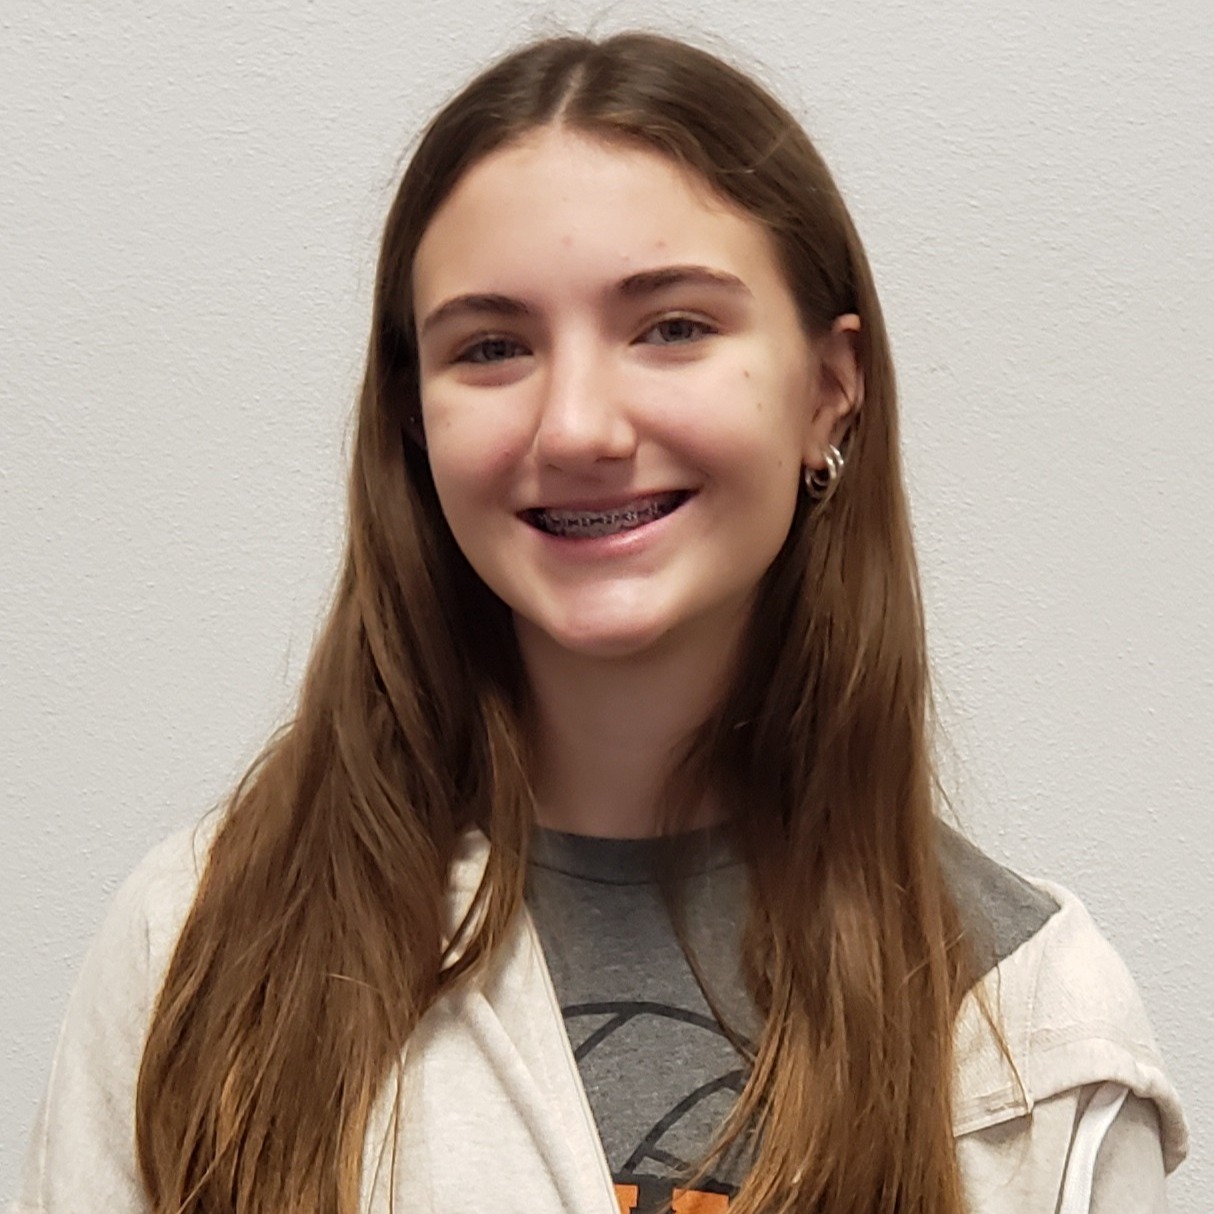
<point>316,940</point>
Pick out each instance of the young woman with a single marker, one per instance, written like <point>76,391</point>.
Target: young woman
<point>600,867</point>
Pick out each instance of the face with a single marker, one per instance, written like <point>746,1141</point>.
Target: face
<point>617,394</point>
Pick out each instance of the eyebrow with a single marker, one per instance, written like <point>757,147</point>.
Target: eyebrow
<point>635,286</point>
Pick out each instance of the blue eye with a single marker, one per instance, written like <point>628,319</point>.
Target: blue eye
<point>489,350</point>
<point>680,330</point>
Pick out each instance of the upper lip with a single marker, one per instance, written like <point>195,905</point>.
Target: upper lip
<point>614,502</point>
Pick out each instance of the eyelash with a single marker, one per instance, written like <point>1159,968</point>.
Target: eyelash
<point>465,356</point>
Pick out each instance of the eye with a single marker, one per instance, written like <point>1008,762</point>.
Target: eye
<point>489,350</point>
<point>679,331</point>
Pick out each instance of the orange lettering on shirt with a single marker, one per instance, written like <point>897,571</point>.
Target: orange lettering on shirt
<point>627,1195</point>
<point>692,1201</point>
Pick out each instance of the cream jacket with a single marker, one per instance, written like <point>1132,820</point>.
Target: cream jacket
<point>496,1118</point>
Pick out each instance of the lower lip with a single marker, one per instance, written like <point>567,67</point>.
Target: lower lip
<point>605,547</point>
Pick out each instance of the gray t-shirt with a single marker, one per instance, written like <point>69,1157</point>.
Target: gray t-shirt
<point>660,1073</point>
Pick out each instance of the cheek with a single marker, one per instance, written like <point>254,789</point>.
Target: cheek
<point>751,421</point>
<point>471,448</point>
<point>781,412</point>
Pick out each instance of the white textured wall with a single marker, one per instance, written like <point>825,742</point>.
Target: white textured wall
<point>189,202</point>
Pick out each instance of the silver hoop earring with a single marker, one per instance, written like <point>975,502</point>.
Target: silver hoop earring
<point>822,482</point>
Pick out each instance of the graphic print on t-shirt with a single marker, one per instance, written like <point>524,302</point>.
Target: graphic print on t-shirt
<point>676,1113</point>
<point>659,1073</point>
<point>637,1198</point>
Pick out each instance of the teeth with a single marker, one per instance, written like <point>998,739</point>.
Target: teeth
<point>590,524</point>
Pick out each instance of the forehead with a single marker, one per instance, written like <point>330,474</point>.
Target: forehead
<point>568,207</point>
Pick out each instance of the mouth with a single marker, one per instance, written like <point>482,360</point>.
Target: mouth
<point>594,524</point>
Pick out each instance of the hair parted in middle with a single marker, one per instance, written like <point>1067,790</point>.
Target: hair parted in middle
<point>316,940</point>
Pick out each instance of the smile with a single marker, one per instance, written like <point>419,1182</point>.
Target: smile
<point>593,524</point>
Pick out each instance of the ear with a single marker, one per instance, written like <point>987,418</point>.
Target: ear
<point>839,390</point>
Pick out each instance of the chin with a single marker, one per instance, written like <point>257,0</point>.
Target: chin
<point>613,646</point>
<point>609,643</point>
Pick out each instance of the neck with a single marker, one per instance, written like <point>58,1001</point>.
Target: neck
<point>609,730</point>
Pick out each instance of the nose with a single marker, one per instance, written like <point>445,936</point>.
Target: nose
<point>582,418</point>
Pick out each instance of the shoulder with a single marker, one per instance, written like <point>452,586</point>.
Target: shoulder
<point>147,914</point>
<point>83,1135</point>
<point>139,930</point>
<point>1068,1010</point>
<point>125,964</point>
<point>1000,910</point>
<point>120,978</point>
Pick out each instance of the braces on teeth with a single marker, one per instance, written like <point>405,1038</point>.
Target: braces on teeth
<point>606,523</point>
